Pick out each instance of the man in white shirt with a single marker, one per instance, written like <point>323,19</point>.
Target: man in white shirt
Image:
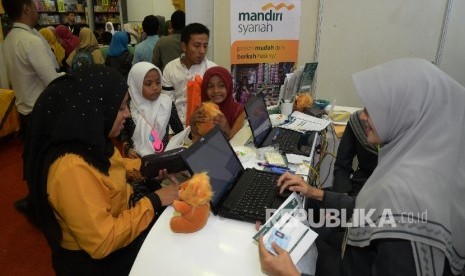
<point>29,66</point>
<point>194,44</point>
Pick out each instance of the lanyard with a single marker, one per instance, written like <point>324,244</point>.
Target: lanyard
<point>153,137</point>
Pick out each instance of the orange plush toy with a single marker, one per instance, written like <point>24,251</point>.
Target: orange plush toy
<point>302,101</point>
<point>210,110</point>
<point>193,204</point>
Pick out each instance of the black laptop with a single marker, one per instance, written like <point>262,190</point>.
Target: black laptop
<point>289,141</point>
<point>238,193</point>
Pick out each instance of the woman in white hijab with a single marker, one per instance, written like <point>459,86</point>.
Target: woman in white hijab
<point>414,198</point>
<point>135,37</point>
<point>152,113</point>
<point>109,28</point>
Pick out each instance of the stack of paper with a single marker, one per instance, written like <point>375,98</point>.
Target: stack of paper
<point>274,158</point>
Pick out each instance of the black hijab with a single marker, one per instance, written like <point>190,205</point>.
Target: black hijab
<point>74,114</point>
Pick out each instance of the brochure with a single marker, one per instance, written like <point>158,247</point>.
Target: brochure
<point>285,229</point>
<point>302,122</point>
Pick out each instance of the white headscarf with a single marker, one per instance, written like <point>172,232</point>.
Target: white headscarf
<point>134,36</point>
<point>157,113</point>
<point>112,31</point>
<point>419,114</point>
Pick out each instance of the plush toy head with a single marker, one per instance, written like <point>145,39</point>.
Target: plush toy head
<point>210,110</point>
<point>303,101</point>
<point>197,190</point>
<point>193,206</point>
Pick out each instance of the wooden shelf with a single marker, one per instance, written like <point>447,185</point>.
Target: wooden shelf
<point>65,12</point>
<point>60,11</point>
<point>106,12</point>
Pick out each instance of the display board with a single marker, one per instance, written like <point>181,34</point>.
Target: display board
<point>358,34</point>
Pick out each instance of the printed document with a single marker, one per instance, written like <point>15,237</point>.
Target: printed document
<point>287,229</point>
<point>302,122</point>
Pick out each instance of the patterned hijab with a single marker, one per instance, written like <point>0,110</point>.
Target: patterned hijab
<point>58,50</point>
<point>74,114</point>
<point>119,44</point>
<point>145,113</point>
<point>228,107</point>
<point>87,39</point>
<point>418,112</point>
<point>67,39</point>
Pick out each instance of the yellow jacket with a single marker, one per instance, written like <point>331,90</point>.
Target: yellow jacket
<point>92,209</point>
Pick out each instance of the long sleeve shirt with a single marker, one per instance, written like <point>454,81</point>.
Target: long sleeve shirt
<point>166,49</point>
<point>144,50</point>
<point>346,180</point>
<point>93,209</point>
<point>30,67</point>
<point>174,82</point>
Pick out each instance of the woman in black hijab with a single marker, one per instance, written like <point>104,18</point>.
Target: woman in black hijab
<point>77,179</point>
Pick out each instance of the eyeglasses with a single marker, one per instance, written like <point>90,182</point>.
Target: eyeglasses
<point>156,141</point>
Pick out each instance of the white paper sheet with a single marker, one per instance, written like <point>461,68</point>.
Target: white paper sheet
<point>302,122</point>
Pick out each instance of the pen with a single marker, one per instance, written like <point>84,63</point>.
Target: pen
<point>276,168</point>
<point>272,166</point>
<point>281,170</point>
<point>275,137</point>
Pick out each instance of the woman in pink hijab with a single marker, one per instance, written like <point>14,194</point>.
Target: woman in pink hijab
<point>67,39</point>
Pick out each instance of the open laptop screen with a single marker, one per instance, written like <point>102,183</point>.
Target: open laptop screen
<point>258,119</point>
<point>213,154</point>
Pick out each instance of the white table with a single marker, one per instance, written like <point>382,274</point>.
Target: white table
<point>223,247</point>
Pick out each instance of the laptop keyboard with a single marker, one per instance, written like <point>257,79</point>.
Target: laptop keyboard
<point>257,198</point>
<point>287,140</point>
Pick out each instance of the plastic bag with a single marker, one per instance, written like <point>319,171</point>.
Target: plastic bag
<point>194,91</point>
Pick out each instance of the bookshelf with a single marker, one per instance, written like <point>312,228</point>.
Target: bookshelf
<point>107,11</point>
<point>94,13</point>
<point>53,12</point>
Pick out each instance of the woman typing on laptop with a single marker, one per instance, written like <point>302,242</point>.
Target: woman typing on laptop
<point>407,102</point>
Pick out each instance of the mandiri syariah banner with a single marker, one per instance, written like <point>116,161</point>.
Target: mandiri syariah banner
<point>264,46</point>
